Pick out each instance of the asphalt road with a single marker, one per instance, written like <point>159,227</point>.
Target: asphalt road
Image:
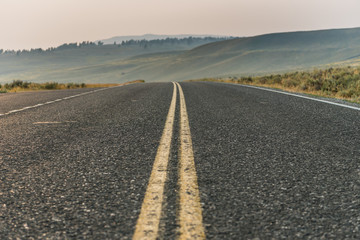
<point>268,165</point>
<point>12,101</point>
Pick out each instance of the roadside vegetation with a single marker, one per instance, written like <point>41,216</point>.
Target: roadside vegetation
<point>21,86</point>
<point>341,82</point>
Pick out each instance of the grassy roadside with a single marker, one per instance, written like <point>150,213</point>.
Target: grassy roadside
<point>341,83</point>
<point>23,86</point>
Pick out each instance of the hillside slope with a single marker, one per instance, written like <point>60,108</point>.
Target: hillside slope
<point>87,61</point>
<point>271,53</point>
<point>266,54</point>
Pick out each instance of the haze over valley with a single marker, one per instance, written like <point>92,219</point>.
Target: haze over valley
<point>161,58</point>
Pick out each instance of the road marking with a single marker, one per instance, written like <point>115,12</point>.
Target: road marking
<point>35,123</point>
<point>190,213</point>
<point>54,101</point>
<point>148,222</point>
<point>301,96</point>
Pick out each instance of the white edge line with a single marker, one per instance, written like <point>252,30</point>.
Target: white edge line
<point>300,96</point>
<point>56,100</point>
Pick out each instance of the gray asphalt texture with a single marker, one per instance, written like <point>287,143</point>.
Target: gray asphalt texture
<point>268,165</point>
<point>12,101</point>
<point>85,177</point>
<point>274,166</point>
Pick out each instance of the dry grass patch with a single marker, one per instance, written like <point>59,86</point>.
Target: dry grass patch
<point>23,86</point>
<point>341,83</point>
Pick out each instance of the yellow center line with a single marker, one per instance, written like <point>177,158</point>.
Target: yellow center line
<point>148,222</point>
<point>190,213</point>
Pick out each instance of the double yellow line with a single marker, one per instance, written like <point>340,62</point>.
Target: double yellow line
<point>190,213</point>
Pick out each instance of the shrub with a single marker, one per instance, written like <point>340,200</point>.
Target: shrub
<point>262,80</point>
<point>51,85</point>
<point>276,79</point>
<point>303,86</point>
<point>314,84</point>
<point>347,93</point>
<point>69,85</point>
<point>290,82</point>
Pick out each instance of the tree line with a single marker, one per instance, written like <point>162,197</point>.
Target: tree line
<point>140,43</point>
<point>172,41</point>
<point>52,49</point>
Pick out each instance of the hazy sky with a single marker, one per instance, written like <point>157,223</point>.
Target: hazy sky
<point>44,23</point>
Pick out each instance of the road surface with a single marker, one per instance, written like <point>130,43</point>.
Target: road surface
<point>188,161</point>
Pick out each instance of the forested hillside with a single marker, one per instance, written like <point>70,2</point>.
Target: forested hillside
<point>87,61</point>
<point>175,59</point>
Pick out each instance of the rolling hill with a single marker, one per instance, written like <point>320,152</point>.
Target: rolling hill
<point>264,54</point>
<point>270,53</point>
<point>87,61</point>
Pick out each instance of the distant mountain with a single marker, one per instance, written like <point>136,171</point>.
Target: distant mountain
<point>86,61</point>
<point>267,53</point>
<point>270,53</point>
<point>119,39</point>
<point>176,60</point>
